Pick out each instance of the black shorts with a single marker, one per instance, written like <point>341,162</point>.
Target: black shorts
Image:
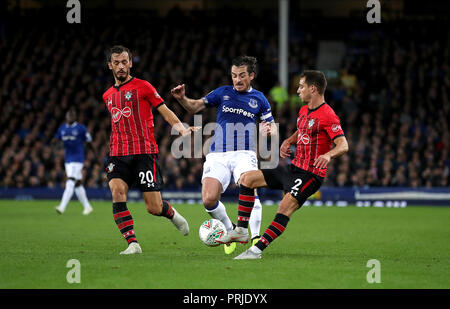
<point>299,183</point>
<point>141,171</point>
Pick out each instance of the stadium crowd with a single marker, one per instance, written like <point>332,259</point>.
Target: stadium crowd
<point>392,92</point>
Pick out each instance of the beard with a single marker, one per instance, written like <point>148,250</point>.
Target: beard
<point>121,78</point>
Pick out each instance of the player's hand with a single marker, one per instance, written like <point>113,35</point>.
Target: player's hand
<point>285,149</point>
<point>322,161</point>
<point>188,130</point>
<point>265,128</point>
<point>178,92</point>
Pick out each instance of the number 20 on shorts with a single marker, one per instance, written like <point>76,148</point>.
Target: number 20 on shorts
<point>147,178</point>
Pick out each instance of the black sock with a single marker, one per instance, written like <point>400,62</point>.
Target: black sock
<point>246,203</point>
<point>275,229</point>
<point>167,210</point>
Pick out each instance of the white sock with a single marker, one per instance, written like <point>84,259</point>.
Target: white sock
<point>220,213</point>
<point>255,218</point>
<point>67,195</point>
<point>81,194</point>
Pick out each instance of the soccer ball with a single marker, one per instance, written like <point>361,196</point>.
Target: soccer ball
<point>210,231</point>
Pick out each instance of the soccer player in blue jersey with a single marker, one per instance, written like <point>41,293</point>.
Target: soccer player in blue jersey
<point>73,135</point>
<point>233,150</point>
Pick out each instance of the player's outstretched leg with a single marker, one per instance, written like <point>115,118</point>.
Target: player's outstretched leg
<point>246,203</point>
<point>287,207</point>
<point>174,216</point>
<point>275,229</point>
<point>158,207</point>
<point>125,223</point>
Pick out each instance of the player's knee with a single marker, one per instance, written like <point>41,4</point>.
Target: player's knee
<point>70,182</point>
<point>210,200</point>
<point>119,192</point>
<point>246,180</point>
<point>252,179</point>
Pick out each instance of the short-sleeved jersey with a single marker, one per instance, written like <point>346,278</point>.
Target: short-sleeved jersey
<point>73,135</point>
<point>132,128</point>
<point>317,128</point>
<point>237,114</point>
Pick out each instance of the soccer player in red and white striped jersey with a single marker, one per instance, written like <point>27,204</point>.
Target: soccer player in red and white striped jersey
<point>318,129</point>
<point>133,158</point>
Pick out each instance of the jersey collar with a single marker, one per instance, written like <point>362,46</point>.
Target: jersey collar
<point>118,87</point>
<point>248,91</point>
<point>314,109</point>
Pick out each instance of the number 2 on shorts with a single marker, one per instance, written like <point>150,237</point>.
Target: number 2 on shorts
<point>294,189</point>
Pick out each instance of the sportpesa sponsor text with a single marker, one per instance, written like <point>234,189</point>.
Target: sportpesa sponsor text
<point>238,111</point>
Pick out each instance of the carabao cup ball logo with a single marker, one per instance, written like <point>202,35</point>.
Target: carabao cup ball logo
<point>210,231</point>
<point>216,234</point>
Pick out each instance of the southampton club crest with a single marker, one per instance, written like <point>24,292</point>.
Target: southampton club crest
<point>128,95</point>
<point>110,167</point>
<point>311,123</point>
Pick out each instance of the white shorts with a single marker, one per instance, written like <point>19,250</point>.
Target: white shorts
<point>73,170</point>
<point>223,165</point>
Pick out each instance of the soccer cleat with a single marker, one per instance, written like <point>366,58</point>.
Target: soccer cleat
<point>239,234</point>
<point>229,248</point>
<point>133,248</point>
<point>250,254</point>
<point>255,240</point>
<point>87,211</point>
<point>59,211</point>
<point>180,223</point>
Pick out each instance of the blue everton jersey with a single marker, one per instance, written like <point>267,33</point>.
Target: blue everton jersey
<point>237,115</point>
<point>73,136</point>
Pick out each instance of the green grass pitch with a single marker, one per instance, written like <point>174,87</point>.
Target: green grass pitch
<point>322,248</point>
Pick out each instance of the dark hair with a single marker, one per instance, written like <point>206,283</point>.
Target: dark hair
<point>316,78</point>
<point>72,113</point>
<point>249,61</point>
<point>117,49</point>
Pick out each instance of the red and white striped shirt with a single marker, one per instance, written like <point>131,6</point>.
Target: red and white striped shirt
<point>317,128</point>
<point>130,105</point>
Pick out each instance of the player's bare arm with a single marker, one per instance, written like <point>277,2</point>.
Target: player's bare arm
<point>285,148</point>
<point>191,105</point>
<point>340,148</point>
<point>174,122</point>
<point>268,128</point>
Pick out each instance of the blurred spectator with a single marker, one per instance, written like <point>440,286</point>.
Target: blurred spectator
<point>279,95</point>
